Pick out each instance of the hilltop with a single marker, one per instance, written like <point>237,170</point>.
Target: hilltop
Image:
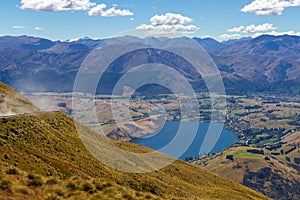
<point>42,156</point>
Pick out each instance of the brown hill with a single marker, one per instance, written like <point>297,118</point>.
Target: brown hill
<point>12,103</point>
<point>274,172</point>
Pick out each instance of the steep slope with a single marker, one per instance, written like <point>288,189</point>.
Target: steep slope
<point>47,145</point>
<point>42,156</point>
<point>12,103</point>
<point>274,172</point>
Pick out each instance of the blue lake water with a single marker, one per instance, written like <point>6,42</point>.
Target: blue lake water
<point>184,139</point>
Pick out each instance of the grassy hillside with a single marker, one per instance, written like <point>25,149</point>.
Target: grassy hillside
<point>275,173</point>
<point>42,155</point>
<point>11,102</point>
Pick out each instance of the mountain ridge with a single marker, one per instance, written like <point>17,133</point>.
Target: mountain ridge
<point>268,63</point>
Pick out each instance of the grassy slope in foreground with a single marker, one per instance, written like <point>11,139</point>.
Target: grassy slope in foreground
<point>42,155</point>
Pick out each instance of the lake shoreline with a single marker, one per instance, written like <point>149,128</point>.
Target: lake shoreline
<point>162,138</point>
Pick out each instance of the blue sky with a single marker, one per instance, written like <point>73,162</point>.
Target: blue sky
<point>220,19</point>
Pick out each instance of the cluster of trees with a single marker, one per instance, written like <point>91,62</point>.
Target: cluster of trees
<point>256,151</point>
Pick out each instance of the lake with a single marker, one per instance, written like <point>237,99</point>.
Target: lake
<point>187,140</point>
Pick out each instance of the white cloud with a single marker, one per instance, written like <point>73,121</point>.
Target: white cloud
<point>255,31</point>
<point>275,33</point>
<point>38,28</point>
<point>252,28</point>
<point>64,5</point>
<point>19,27</point>
<point>168,29</point>
<point>170,19</point>
<point>56,5</point>
<point>169,23</point>
<point>229,36</point>
<point>112,12</point>
<point>269,7</point>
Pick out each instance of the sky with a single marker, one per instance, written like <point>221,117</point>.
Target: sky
<point>219,19</point>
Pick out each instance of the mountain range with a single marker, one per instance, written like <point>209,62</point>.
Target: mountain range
<point>263,64</point>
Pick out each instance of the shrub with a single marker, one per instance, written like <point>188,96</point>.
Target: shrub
<point>72,186</point>
<point>267,158</point>
<point>51,181</point>
<point>102,186</point>
<point>289,151</point>
<point>5,185</point>
<point>255,151</point>
<point>128,197</point>
<point>230,157</point>
<point>30,176</point>
<point>87,187</point>
<point>59,193</point>
<point>275,153</point>
<point>22,191</point>
<point>138,194</point>
<point>12,171</point>
<point>281,152</point>
<point>36,182</point>
<point>237,166</point>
